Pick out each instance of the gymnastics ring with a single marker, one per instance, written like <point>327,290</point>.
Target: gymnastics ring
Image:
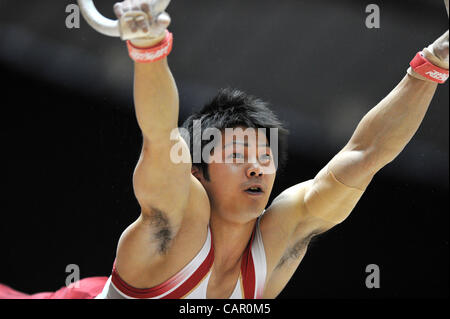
<point>113,28</point>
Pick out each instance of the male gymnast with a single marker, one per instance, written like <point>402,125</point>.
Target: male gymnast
<point>205,228</point>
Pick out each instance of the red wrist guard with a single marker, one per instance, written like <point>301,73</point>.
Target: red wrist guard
<point>426,69</point>
<point>151,54</point>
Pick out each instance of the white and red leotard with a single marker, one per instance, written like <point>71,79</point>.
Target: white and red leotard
<point>192,281</point>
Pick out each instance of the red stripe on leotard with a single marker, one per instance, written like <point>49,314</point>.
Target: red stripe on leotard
<point>194,280</point>
<point>169,284</point>
<point>248,271</point>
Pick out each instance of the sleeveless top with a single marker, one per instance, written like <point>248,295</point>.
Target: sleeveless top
<point>192,281</point>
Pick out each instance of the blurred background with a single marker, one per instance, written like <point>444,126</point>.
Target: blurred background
<point>70,139</point>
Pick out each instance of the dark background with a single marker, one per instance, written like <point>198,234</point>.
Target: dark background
<point>70,140</point>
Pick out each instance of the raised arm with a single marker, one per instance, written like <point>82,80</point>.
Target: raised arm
<point>378,139</point>
<point>157,179</point>
<point>317,205</point>
<point>312,207</point>
<point>162,186</point>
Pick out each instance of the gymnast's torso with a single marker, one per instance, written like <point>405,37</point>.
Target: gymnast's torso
<point>192,281</point>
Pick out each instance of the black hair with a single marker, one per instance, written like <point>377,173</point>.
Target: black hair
<point>232,108</point>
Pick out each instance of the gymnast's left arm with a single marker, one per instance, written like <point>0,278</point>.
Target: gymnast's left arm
<point>379,137</point>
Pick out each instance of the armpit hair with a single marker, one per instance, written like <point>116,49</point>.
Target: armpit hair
<point>298,249</point>
<point>162,231</point>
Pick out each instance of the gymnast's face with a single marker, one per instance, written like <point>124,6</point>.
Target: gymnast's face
<point>241,177</point>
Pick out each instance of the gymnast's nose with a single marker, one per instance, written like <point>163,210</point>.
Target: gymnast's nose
<point>254,170</point>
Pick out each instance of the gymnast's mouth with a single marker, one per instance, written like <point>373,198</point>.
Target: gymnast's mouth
<point>254,190</point>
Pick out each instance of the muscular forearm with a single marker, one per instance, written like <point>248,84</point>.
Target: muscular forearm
<point>155,91</point>
<point>388,127</point>
<point>156,99</point>
<point>379,138</point>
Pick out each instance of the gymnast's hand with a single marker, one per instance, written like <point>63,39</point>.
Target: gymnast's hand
<point>438,54</point>
<point>145,21</point>
<point>439,48</point>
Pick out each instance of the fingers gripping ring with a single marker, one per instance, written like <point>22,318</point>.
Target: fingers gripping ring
<point>126,33</point>
<point>116,28</point>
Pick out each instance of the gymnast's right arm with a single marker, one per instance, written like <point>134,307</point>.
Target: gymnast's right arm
<point>161,186</point>
<point>158,180</point>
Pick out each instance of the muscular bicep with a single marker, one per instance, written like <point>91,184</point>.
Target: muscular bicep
<point>162,177</point>
<point>173,223</point>
<point>328,197</point>
<point>312,207</point>
<point>315,205</point>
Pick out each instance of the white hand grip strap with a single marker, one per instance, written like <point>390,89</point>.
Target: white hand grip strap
<point>114,28</point>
